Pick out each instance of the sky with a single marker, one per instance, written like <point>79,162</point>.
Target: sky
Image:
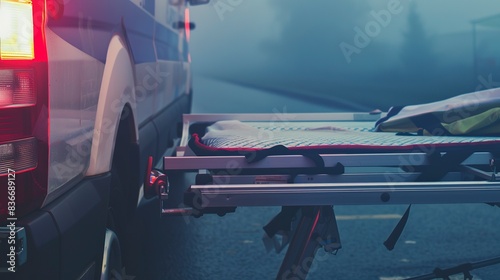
<point>315,46</point>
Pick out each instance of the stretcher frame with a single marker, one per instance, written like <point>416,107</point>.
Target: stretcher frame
<point>226,182</point>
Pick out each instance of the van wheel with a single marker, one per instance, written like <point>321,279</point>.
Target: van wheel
<point>111,259</point>
<point>124,192</point>
<point>112,267</point>
<point>120,222</point>
<point>117,206</point>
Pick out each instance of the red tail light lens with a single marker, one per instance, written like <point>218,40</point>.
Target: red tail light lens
<point>187,27</point>
<point>20,156</point>
<point>17,88</point>
<point>24,105</point>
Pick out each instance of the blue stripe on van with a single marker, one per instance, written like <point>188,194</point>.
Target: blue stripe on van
<point>89,25</point>
<point>149,5</point>
<point>139,27</point>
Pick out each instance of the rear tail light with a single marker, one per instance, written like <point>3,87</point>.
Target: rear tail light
<point>20,156</point>
<point>24,110</point>
<point>17,88</point>
<point>16,33</point>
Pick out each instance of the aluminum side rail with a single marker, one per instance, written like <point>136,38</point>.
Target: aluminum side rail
<point>347,193</point>
<point>234,163</point>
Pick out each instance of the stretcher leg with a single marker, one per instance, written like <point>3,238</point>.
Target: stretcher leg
<point>317,228</point>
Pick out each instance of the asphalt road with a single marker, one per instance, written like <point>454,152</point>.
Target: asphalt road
<point>230,247</point>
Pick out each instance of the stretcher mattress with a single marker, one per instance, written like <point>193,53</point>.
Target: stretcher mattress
<point>235,137</point>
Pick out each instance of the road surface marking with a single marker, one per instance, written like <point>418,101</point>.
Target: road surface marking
<point>368,217</point>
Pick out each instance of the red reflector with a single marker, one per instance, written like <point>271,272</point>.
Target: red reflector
<point>17,88</point>
<point>14,124</point>
<point>186,23</point>
<point>21,156</point>
<point>28,195</point>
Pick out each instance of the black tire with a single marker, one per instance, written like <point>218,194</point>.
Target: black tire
<point>117,205</point>
<point>122,217</point>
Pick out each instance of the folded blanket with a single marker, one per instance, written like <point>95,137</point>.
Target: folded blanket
<point>476,113</point>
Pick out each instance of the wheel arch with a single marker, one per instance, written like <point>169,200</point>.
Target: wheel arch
<point>116,106</point>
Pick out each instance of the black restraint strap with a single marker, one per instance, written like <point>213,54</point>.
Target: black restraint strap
<point>430,123</point>
<point>392,112</point>
<point>396,232</point>
<point>440,165</point>
<point>319,163</point>
<point>282,150</point>
<point>282,221</point>
<point>438,168</point>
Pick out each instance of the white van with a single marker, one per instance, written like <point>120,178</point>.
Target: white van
<point>88,90</point>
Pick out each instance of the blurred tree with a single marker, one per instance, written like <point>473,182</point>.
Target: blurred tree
<point>417,53</point>
<point>306,50</point>
<point>311,32</point>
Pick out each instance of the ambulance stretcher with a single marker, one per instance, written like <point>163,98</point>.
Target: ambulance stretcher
<point>307,163</point>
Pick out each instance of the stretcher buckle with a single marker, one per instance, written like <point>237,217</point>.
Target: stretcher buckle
<point>494,165</point>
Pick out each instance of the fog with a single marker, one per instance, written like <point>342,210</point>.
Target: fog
<point>378,53</point>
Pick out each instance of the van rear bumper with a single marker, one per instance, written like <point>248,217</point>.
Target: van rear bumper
<point>66,237</point>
